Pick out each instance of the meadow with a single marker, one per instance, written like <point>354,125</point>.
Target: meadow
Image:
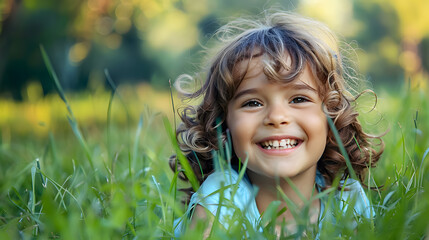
<point>94,165</point>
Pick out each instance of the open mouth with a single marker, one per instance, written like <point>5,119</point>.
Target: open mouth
<point>279,144</point>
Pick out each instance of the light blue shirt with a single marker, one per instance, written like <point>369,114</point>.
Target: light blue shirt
<point>209,195</point>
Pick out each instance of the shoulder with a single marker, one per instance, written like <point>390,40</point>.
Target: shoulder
<point>217,180</point>
<point>222,186</point>
<point>224,194</point>
<point>354,195</point>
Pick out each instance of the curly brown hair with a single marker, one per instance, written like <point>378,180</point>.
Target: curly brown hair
<point>309,43</point>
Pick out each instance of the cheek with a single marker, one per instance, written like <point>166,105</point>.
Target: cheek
<point>317,127</point>
<point>234,129</point>
<point>238,133</point>
<point>320,133</point>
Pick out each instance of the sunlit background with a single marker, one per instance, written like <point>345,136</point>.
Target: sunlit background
<point>146,43</point>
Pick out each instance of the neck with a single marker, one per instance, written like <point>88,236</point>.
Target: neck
<point>271,189</point>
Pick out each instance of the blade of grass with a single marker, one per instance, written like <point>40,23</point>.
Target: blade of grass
<point>296,190</point>
<point>199,164</point>
<point>33,188</point>
<point>270,213</point>
<point>61,195</point>
<point>127,113</point>
<point>174,182</point>
<point>216,222</point>
<point>109,109</point>
<point>82,142</point>
<point>41,177</point>
<point>182,159</point>
<point>53,147</point>
<point>221,150</point>
<point>18,203</point>
<point>342,149</point>
<point>240,177</point>
<point>291,205</point>
<point>59,187</point>
<point>228,146</point>
<point>172,103</point>
<point>136,145</point>
<point>164,218</point>
<point>132,228</point>
<point>71,118</point>
<point>55,78</point>
<point>422,165</point>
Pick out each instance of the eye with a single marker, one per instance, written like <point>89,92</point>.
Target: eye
<point>252,103</point>
<point>299,100</point>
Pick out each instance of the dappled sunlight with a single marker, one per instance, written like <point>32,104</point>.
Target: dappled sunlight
<point>337,14</point>
<point>174,31</point>
<point>79,51</point>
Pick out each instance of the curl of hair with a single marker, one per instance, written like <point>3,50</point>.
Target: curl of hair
<point>276,35</point>
<point>358,144</point>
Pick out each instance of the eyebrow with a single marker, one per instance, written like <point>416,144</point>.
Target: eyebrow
<point>244,92</point>
<point>294,86</point>
<point>303,86</point>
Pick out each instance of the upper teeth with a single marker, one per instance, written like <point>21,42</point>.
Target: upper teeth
<point>282,144</point>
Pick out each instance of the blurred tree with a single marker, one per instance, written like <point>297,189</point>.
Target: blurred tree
<point>156,40</point>
<point>424,51</point>
<point>378,35</point>
<point>413,27</point>
<point>137,40</point>
<point>80,36</point>
<point>27,25</point>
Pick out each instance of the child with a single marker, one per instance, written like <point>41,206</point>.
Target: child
<point>272,85</point>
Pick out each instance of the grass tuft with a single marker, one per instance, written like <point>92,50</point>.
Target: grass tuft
<point>52,187</point>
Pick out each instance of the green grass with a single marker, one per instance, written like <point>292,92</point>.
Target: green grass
<point>115,182</point>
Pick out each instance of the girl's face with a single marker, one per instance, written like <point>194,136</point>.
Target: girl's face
<point>280,127</point>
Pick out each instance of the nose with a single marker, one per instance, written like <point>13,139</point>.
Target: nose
<point>277,115</point>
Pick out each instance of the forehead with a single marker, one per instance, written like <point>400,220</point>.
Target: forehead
<point>256,62</point>
<point>256,67</point>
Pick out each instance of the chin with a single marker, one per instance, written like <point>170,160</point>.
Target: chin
<point>279,174</point>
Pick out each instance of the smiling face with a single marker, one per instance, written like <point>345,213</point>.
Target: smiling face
<point>280,127</point>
